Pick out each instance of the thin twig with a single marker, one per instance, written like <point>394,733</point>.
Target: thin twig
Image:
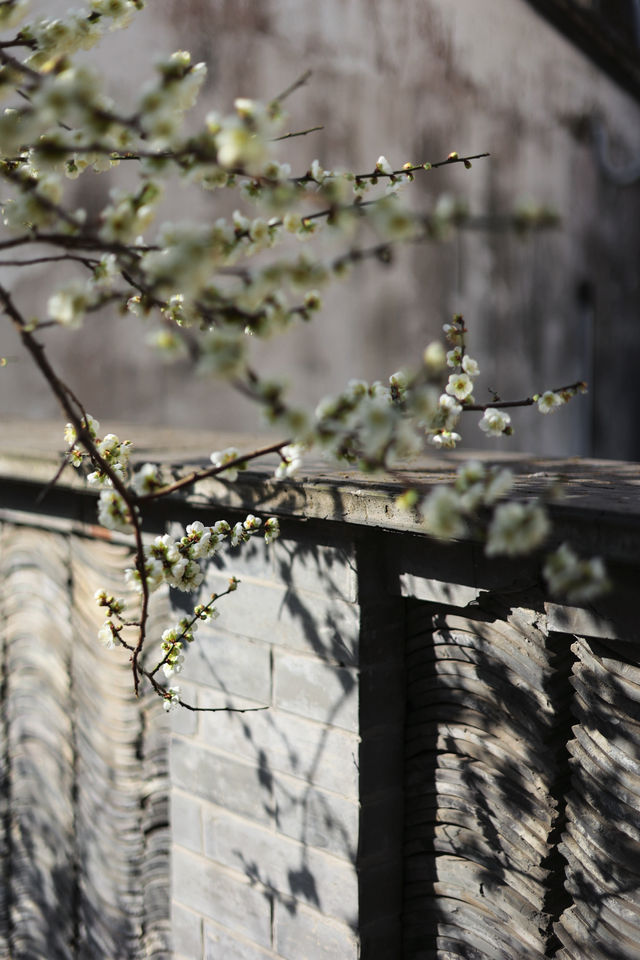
<point>64,463</point>
<point>298,133</point>
<point>300,82</point>
<point>528,402</point>
<point>198,475</point>
<point>85,261</point>
<point>188,706</point>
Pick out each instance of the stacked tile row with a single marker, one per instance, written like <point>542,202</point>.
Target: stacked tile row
<point>601,842</point>
<point>482,751</point>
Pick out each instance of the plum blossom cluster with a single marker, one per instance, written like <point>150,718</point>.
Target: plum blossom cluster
<point>179,562</point>
<point>113,451</point>
<point>366,424</point>
<point>552,400</point>
<point>109,633</point>
<point>175,639</point>
<point>213,285</point>
<point>471,506</point>
<point>455,511</point>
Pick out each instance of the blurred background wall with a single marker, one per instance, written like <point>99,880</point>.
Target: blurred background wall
<point>413,79</point>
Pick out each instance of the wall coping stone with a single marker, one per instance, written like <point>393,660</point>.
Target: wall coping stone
<point>600,505</point>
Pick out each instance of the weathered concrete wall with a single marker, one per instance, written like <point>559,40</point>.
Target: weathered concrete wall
<point>415,80</point>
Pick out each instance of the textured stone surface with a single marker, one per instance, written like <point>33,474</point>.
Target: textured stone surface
<point>222,895</point>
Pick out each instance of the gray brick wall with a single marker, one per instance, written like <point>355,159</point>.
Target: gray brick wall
<point>265,812</point>
<point>288,820</point>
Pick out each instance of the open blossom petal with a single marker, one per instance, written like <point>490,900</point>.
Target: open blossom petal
<point>444,438</point>
<point>172,699</point>
<point>291,461</point>
<point>443,513</point>
<point>271,530</point>
<point>495,422</point>
<point>549,401</point>
<point>318,173</point>
<point>470,366</point>
<point>108,635</point>
<point>454,357</point>
<point>220,457</point>
<point>113,512</point>
<point>459,386</point>
<point>146,479</point>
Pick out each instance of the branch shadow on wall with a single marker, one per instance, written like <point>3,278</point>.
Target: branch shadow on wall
<point>287,640</point>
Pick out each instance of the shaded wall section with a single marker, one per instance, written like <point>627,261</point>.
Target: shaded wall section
<point>84,790</point>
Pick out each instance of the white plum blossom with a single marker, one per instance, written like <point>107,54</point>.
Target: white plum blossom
<point>376,425</point>
<point>202,540</point>
<point>113,512</point>
<point>453,333</point>
<point>67,306</point>
<point>317,172</point>
<point>188,577</point>
<point>290,462</point>
<point>449,410</point>
<point>271,530</point>
<point>239,147</point>
<point>312,300</point>
<point>90,424</point>
<point>12,13</point>
<point>383,165</point>
<point>220,457</point>
<point>470,366</point>
<point>108,635</point>
<point>146,479</point>
<point>443,513</point>
<point>171,699</point>
<point>392,220</point>
<point>292,221</point>
<point>446,439</point>
<point>238,534</point>
<point>174,667</point>
<point>97,478</point>
<point>549,401</point>
<point>517,528</point>
<point>153,575</point>
<point>113,450</point>
<point>459,386</point>
<point>116,605</point>
<point>573,578</point>
<point>479,486</point>
<point>495,423</point>
<point>470,484</point>
<point>469,474</point>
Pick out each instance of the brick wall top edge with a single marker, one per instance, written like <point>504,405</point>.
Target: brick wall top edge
<point>595,491</point>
